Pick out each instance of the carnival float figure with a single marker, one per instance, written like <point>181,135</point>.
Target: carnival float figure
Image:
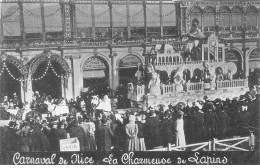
<point>195,36</point>
<point>154,84</point>
<point>179,81</point>
<point>209,77</point>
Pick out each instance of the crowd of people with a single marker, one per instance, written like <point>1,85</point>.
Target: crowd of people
<point>181,124</point>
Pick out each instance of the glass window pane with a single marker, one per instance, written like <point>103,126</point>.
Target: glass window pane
<point>236,20</point>
<point>32,20</point>
<point>53,23</point>
<point>169,19</point>
<point>153,20</point>
<point>119,15</point>
<point>251,20</point>
<point>136,13</point>
<point>102,21</point>
<point>11,19</point>
<point>83,20</point>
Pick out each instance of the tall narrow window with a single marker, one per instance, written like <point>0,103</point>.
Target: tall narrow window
<point>169,20</point>
<point>84,20</point>
<point>32,20</point>
<point>102,21</point>
<point>53,23</point>
<point>236,18</point>
<point>224,19</point>
<point>11,21</point>
<point>251,18</point>
<point>196,13</point>
<point>209,19</point>
<point>153,20</point>
<point>119,14</point>
<point>136,20</point>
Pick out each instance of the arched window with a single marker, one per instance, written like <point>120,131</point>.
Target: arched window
<point>236,13</point>
<point>196,13</point>
<point>251,18</point>
<point>224,19</point>
<point>209,19</point>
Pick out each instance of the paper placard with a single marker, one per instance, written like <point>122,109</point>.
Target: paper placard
<point>71,144</point>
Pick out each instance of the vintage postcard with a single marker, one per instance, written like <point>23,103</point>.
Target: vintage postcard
<point>129,82</point>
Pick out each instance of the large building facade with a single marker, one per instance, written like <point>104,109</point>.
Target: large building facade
<point>65,47</point>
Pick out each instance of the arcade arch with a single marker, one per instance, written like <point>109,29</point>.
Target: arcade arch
<point>12,76</point>
<point>95,70</point>
<point>49,73</point>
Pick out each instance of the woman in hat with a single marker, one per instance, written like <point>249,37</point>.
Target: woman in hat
<point>24,137</point>
<point>211,121</point>
<point>180,137</point>
<point>131,131</point>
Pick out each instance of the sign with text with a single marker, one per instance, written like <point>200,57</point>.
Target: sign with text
<point>71,144</point>
<point>93,63</point>
<point>130,61</point>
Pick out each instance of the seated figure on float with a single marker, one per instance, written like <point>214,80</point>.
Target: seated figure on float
<point>154,84</point>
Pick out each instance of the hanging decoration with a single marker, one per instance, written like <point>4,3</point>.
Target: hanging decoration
<point>48,56</point>
<point>158,15</point>
<point>14,61</point>
<point>30,13</point>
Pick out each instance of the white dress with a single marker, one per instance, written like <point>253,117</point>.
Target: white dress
<point>180,137</point>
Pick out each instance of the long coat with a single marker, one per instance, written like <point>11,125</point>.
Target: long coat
<point>78,132</point>
<point>167,131</point>
<point>211,123</point>
<point>180,137</point>
<point>152,132</point>
<point>132,141</point>
<point>39,142</point>
<point>104,136</point>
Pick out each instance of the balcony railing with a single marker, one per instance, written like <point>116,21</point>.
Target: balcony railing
<point>190,87</point>
<point>232,83</point>
<point>185,62</point>
<point>168,89</point>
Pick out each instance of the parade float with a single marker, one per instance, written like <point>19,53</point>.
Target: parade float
<point>191,77</point>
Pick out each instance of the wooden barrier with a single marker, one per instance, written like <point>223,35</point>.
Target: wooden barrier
<point>214,145</point>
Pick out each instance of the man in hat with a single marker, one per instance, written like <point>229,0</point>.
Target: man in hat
<point>104,137</point>
<point>211,121</point>
<point>167,129</point>
<point>152,128</point>
<point>11,138</point>
<point>39,142</point>
<point>77,131</point>
<point>223,124</point>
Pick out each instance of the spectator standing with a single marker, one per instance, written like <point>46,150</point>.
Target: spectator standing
<point>131,132</point>
<point>104,136</point>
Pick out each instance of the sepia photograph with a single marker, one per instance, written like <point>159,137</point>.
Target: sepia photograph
<point>129,82</point>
